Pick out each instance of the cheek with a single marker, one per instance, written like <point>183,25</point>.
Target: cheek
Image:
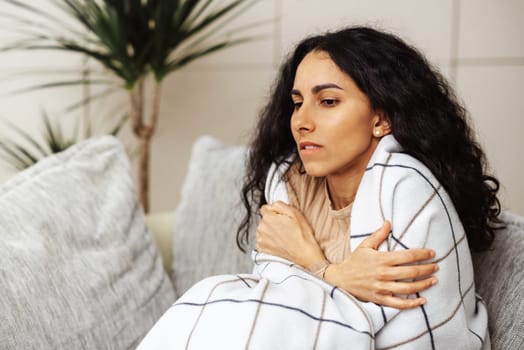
<point>354,134</point>
<point>294,134</point>
<point>349,125</point>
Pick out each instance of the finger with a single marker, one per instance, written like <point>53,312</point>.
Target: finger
<point>262,227</point>
<point>281,204</point>
<point>266,212</point>
<point>377,237</point>
<point>399,303</point>
<point>408,287</point>
<point>261,243</point>
<point>283,208</point>
<point>265,209</point>
<point>409,256</point>
<point>396,273</point>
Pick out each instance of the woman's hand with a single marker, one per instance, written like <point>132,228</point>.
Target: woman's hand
<point>284,231</point>
<point>367,274</point>
<point>378,277</point>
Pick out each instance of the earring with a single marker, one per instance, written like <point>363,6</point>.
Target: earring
<point>377,132</point>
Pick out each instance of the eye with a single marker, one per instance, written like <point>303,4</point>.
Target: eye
<point>329,102</point>
<point>296,105</point>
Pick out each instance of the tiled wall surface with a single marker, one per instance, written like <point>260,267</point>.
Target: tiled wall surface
<point>477,44</point>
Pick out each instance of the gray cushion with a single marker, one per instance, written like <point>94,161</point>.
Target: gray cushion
<point>208,215</point>
<point>499,276</point>
<point>78,267</point>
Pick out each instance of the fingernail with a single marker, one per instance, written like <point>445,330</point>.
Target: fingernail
<point>436,268</point>
<point>432,253</point>
<point>434,281</point>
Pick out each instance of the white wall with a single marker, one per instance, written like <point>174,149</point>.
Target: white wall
<point>477,44</point>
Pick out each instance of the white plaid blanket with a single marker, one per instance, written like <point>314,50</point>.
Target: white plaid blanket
<point>281,306</point>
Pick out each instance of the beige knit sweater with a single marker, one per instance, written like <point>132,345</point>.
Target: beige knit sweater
<point>310,195</point>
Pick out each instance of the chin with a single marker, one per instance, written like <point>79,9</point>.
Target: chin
<point>315,170</point>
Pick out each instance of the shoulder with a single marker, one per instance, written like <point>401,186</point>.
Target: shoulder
<point>410,193</point>
<point>392,173</point>
<point>401,189</point>
<point>396,184</point>
<point>390,164</point>
<point>404,172</point>
<point>407,183</point>
<point>389,159</point>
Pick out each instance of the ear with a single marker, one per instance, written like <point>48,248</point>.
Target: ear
<point>381,124</point>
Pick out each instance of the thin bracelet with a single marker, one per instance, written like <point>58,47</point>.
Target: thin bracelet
<point>324,271</point>
<point>319,268</point>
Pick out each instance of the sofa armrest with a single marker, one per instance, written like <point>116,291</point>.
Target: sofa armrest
<point>500,282</point>
<point>161,226</point>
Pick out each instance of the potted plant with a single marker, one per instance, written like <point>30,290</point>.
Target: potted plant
<point>53,139</point>
<point>133,40</point>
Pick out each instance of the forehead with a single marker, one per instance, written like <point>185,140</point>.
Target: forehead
<point>317,67</point>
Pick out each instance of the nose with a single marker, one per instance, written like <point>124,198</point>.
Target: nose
<point>302,121</point>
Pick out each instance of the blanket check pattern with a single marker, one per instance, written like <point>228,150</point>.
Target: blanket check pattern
<point>282,306</point>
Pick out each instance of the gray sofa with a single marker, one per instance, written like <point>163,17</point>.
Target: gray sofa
<point>80,269</point>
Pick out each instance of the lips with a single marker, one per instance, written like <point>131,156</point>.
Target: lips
<point>307,146</point>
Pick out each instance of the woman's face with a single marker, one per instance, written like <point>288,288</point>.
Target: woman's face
<point>332,122</point>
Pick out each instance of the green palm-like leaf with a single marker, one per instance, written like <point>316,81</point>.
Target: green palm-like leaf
<point>93,97</point>
<point>130,38</point>
<point>18,156</point>
<point>57,84</point>
<point>30,149</point>
<point>13,156</point>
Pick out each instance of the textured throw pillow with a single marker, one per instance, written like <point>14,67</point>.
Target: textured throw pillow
<point>499,276</point>
<point>78,268</point>
<point>208,215</point>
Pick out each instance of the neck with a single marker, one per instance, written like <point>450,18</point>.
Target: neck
<point>343,189</point>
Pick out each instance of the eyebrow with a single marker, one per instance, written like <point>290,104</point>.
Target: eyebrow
<point>317,88</point>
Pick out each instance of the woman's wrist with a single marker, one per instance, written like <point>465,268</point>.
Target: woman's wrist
<point>330,274</point>
<point>319,267</point>
<point>309,257</point>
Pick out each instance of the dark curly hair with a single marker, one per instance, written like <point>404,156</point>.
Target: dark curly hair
<point>425,116</point>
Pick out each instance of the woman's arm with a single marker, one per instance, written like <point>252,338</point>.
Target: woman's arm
<point>283,231</point>
<point>378,277</point>
<point>367,274</point>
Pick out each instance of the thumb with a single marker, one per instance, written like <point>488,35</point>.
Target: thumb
<point>377,237</point>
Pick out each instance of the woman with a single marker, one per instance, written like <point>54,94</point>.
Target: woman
<point>360,133</point>
<point>400,86</point>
